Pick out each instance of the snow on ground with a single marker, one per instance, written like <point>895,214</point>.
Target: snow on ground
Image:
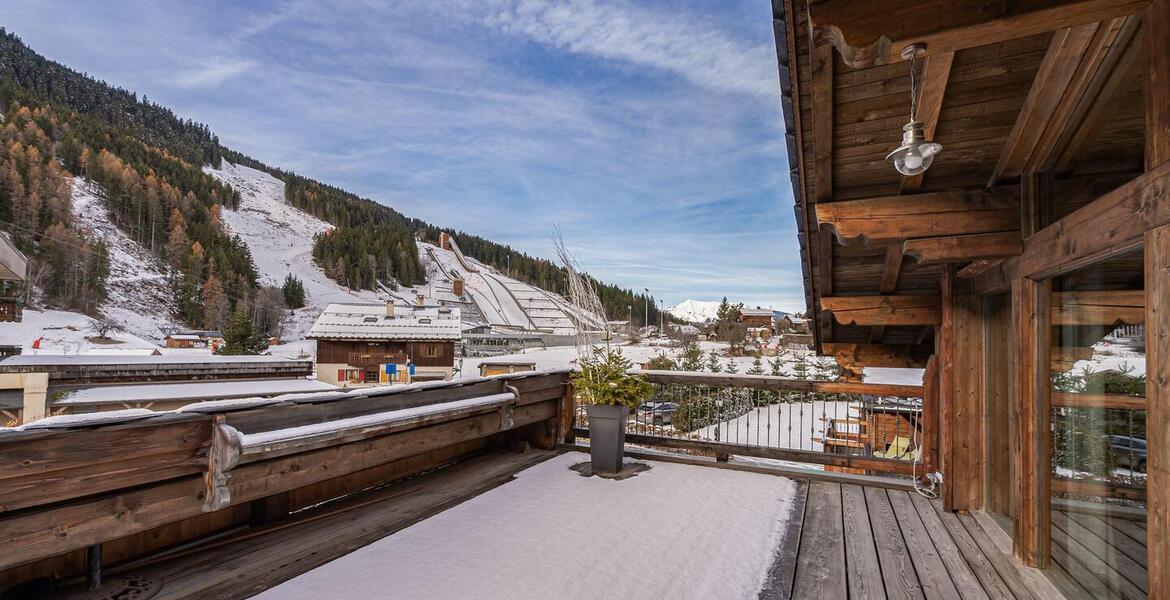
<point>140,299</point>
<point>673,531</point>
<point>280,237</point>
<point>695,311</point>
<point>65,332</point>
<point>793,425</point>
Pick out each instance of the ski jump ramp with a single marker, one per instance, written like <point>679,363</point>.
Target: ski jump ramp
<point>506,302</point>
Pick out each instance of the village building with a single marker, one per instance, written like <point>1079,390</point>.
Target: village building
<point>377,344</point>
<point>194,339</point>
<point>758,322</point>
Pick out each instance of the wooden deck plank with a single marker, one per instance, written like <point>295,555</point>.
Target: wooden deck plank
<point>1005,566</point>
<point>1094,586</point>
<point>932,573</point>
<point>1119,572</point>
<point>961,574</point>
<point>783,573</point>
<point>820,570</point>
<point>1111,536</point>
<point>993,584</point>
<point>1136,530</point>
<point>861,562</point>
<point>897,570</point>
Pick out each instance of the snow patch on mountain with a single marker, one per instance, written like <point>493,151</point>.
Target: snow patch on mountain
<point>280,237</point>
<point>694,311</point>
<point>139,295</point>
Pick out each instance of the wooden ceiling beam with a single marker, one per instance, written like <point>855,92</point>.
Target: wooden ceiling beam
<point>874,33</point>
<point>924,215</point>
<point>822,141</point>
<point>935,73</point>
<point>879,355</point>
<point>890,273</point>
<point>1057,71</point>
<point>977,268</point>
<point>1109,61</point>
<point>884,310</point>
<point>963,248</point>
<point>1111,225</point>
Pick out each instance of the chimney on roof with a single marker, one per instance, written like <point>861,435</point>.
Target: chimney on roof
<point>457,287</point>
<point>390,307</point>
<point>419,300</point>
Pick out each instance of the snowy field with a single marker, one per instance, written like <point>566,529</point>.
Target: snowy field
<point>674,531</point>
<point>64,332</point>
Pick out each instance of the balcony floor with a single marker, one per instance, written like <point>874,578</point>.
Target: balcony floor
<point>844,540</point>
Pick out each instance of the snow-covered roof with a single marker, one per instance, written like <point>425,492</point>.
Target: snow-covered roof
<point>345,321</point>
<point>184,336</point>
<point>756,312</point>
<point>187,391</point>
<point>121,359</point>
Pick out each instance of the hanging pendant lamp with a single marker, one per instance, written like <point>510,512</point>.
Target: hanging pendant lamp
<point>916,153</point>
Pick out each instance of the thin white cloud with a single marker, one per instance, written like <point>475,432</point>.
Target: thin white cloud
<point>705,56</point>
<point>213,73</point>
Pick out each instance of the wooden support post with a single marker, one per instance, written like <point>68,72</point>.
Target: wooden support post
<point>1157,279</point>
<point>930,415</point>
<point>1158,408</point>
<point>567,415</point>
<point>944,344</point>
<point>1030,415</point>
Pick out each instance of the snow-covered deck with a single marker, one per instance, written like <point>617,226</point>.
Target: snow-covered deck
<point>507,525</point>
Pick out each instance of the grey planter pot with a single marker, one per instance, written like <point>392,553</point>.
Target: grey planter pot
<point>607,436</point>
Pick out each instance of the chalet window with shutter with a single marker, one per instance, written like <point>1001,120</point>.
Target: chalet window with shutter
<point>431,350</point>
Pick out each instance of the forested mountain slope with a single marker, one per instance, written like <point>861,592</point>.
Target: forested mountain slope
<point>149,164</point>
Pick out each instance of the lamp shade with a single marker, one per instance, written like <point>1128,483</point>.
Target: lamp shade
<point>915,155</point>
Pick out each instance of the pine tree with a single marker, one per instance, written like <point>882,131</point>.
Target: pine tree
<point>294,292</point>
<point>240,336</point>
<point>777,366</point>
<point>731,366</point>
<point>692,357</point>
<point>757,366</point>
<point>713,362</point>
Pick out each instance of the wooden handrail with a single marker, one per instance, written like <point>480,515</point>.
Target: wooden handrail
<point>1119,401</point>
<point>771,382</point>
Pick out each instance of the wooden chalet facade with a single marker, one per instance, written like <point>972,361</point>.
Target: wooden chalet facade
<point>1005,269</point>
<point>371,344</point>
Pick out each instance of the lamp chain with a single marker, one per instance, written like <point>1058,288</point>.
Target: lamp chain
<point>914,87</point>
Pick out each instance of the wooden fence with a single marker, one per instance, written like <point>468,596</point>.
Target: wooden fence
<point>133,488</point>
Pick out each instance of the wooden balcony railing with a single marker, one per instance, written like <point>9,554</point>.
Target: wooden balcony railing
<point>149,481</point>
<point>853,427</point>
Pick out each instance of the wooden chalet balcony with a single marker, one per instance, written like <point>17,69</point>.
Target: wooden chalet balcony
<point>367,359</point>
<point>227,502</point>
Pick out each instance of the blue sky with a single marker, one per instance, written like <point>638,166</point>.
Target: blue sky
<point>650,131</point>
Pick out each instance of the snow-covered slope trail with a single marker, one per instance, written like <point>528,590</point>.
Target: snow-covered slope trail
<point>140,299</point>
<point>280,237</point>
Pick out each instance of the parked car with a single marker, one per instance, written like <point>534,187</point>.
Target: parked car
<point>658,413</point>
<point>1129,451</point>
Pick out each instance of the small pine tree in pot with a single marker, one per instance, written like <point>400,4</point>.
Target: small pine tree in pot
<point>608,391</point>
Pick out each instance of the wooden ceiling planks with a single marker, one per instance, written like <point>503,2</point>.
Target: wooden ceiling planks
<point>989,77</point>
